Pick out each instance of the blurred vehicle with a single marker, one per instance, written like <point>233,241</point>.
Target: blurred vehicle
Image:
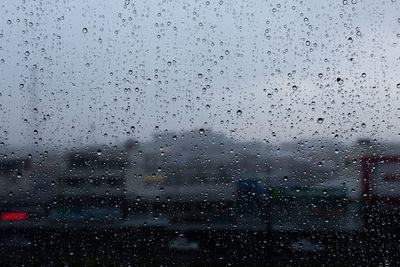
<point>182,243</point>
<point>305,245</point>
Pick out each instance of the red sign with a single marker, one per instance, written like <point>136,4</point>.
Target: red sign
<point>14,216</point>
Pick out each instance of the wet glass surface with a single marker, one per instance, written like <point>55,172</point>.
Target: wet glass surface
<point>199,133</point>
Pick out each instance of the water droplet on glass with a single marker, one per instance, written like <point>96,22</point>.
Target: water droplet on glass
<point>201,131</point>
<point>84,30</point>
<point>320,120</point>
<point>239,112</point>
<point>99,152</point>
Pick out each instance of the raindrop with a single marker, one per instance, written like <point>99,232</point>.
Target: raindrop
<point>239,112</point>
<point>19,175</point>
<point>84,30</point>
<point>99,152</point>
<point>320,120</point>
<point>339,80</point>
<point>201,131</point>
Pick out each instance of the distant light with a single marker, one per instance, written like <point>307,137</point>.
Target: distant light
<point>14,216</point>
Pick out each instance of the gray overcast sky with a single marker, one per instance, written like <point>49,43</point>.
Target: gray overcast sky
<point>105,66</point>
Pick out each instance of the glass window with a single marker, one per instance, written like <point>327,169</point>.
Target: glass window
<point>199,132</point>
